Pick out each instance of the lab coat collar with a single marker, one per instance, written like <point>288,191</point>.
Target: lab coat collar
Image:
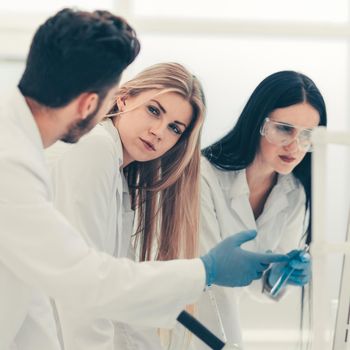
<point>237,184</point>
<point>239,196</point>
<point>113,132</point>
<point>276,202</point>
<point>25,119</point>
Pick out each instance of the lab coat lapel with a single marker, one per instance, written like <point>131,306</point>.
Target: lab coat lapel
<point>241,207</point>
<point>277,201</point>
<point>239,194</point>
<point>113,132</point>
<point>128,218</point>
<point>119,194</point>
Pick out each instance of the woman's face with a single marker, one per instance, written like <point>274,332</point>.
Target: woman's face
<point>284,158</point>
<point>151,124</point>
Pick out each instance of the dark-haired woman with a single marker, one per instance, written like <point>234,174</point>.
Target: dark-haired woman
<point>258,177</point>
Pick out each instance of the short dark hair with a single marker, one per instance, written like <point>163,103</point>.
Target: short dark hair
<point>75,52</point>
<point>237,149</point>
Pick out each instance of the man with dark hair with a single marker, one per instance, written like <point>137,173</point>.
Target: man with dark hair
<point>75,52</point>
<point>71,76</point>
<point>72,71</point>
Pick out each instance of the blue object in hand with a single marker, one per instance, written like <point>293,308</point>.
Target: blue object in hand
<point>301,274</point>
<point>227,264</point>
<point>296,272</point>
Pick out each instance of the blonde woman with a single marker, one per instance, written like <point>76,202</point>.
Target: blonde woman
<point>148,151</point>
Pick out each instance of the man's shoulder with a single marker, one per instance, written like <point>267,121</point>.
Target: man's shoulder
<point>19,154</point>
<point>13,141</point>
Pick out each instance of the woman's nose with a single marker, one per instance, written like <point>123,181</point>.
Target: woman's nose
<point>293,146</point>
<point>158,129</point>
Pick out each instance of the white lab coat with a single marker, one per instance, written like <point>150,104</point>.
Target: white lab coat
<point>89,188</point>
<point>91,192</point>
<point>41,252</point>
<point>225,209</point>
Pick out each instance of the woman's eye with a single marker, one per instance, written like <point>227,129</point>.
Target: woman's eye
<point>175,129</point>
<point>153,110</point>
<point>285,128</point>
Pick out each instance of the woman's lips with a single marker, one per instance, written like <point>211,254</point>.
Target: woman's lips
<point>287,159</point>
<point>149,146</point>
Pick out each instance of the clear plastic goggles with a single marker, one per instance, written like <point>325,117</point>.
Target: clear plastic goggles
<point>283,134</point>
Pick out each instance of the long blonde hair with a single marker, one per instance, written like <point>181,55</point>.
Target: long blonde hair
<point>165,191</point>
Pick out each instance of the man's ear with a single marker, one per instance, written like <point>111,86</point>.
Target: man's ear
<point>88,102</point>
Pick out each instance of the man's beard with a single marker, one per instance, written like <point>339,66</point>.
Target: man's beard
<point>80,128</point>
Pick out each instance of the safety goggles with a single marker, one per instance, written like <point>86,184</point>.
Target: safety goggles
<point>283,134</point>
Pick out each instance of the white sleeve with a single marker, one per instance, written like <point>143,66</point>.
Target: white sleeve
<point>41,248</point>
<point>14,305</point>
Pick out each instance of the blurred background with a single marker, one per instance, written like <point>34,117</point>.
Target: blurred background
<point>231,45</point>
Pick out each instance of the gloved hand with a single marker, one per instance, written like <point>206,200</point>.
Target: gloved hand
<point>227,264</point>
<point>300,265</point>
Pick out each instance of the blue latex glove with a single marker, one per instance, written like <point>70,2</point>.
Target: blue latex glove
<point>302,270</point>
<point>227,264</point>
<point>299,262</point>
